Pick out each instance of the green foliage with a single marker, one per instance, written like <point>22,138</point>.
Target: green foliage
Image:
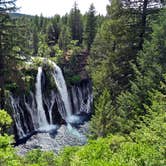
<point>101,122</point>
<point>90,27</point>
<point>5,121</point>
<point>65,157</point>
<point>100,76</point>
<point>148,75</point>
<point>53,31</point>
<point>11,86</point>
<point>29,81</point>
<point>117,150</point>
<point>91,152</point>
<point>144,147</point>
<point>39,158</point>
<point>43,50</point>
<point>74,79</point>
<point>71,62</point>
<point>75,24</point>
<point>135,110</point>
<point>7,152</point>
<point>113,50</point>
<point>8,45</point>
<point>64,38</point>
<point>58,53</point>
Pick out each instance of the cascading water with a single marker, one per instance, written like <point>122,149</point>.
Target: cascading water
<point>62,88</point>
<point>50,101</point>
<point>17,117</point>
<point>47,108</point>
<point>31,108</point>
<point>42,120</point>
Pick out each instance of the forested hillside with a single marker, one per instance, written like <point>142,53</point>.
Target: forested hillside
<point>123,54</point>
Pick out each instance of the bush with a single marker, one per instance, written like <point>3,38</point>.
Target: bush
<point>39,158</point>
<point>5,121</point>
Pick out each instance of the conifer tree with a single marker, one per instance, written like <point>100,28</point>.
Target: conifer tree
<point>114,47</point>
<point>35,41</point>
<point>149,73</point>
<point>101,122</point>
<point>75,24</point>
<point>142,10</point>
<point>64,38</point>
<point>6,28</point>
<point>90,27</point>
<point>53,31</point>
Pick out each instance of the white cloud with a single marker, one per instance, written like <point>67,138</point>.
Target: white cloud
<point>52,7</point>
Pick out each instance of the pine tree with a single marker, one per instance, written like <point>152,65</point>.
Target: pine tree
<point>6,28</point>
<point>53,31</point>
<point>35,41</point>
<point>142,10</point>
<point>64,38</point>
<point>114,46</point>
<point>43,49</point>
<point>149,72</point>
<point>75,24</point>
<point>90,27</point>
<point>101,122</point>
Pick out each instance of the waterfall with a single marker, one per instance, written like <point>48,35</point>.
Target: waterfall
<point>62,88</point>
<point>31,108</point>
<point>17,117</point>
<point>76,104</point>
<point>82,98</point>
<point>30,112</point>
<point>51,105</point>
<point>42,120</point>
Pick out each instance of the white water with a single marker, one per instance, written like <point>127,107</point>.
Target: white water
<point>62,88</point>
<point>42,121</point>
<point>33,106</point>
<point>17,118</point>
<point>53,98</point>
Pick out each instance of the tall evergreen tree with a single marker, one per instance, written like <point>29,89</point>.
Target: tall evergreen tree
<point>142,9</point>
<point>64,38</point>
<point>100,125</point>
<point>90,27</point>
<point>6,28</point>
<point>75,24</point>
<point>53,31</point>
<point>149,73</point>
<point>35,41</point>
<point>113,49</point>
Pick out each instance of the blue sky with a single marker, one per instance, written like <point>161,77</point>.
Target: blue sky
<point>51,7</point>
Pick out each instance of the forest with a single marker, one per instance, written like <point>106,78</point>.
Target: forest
<point>121,55</point>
